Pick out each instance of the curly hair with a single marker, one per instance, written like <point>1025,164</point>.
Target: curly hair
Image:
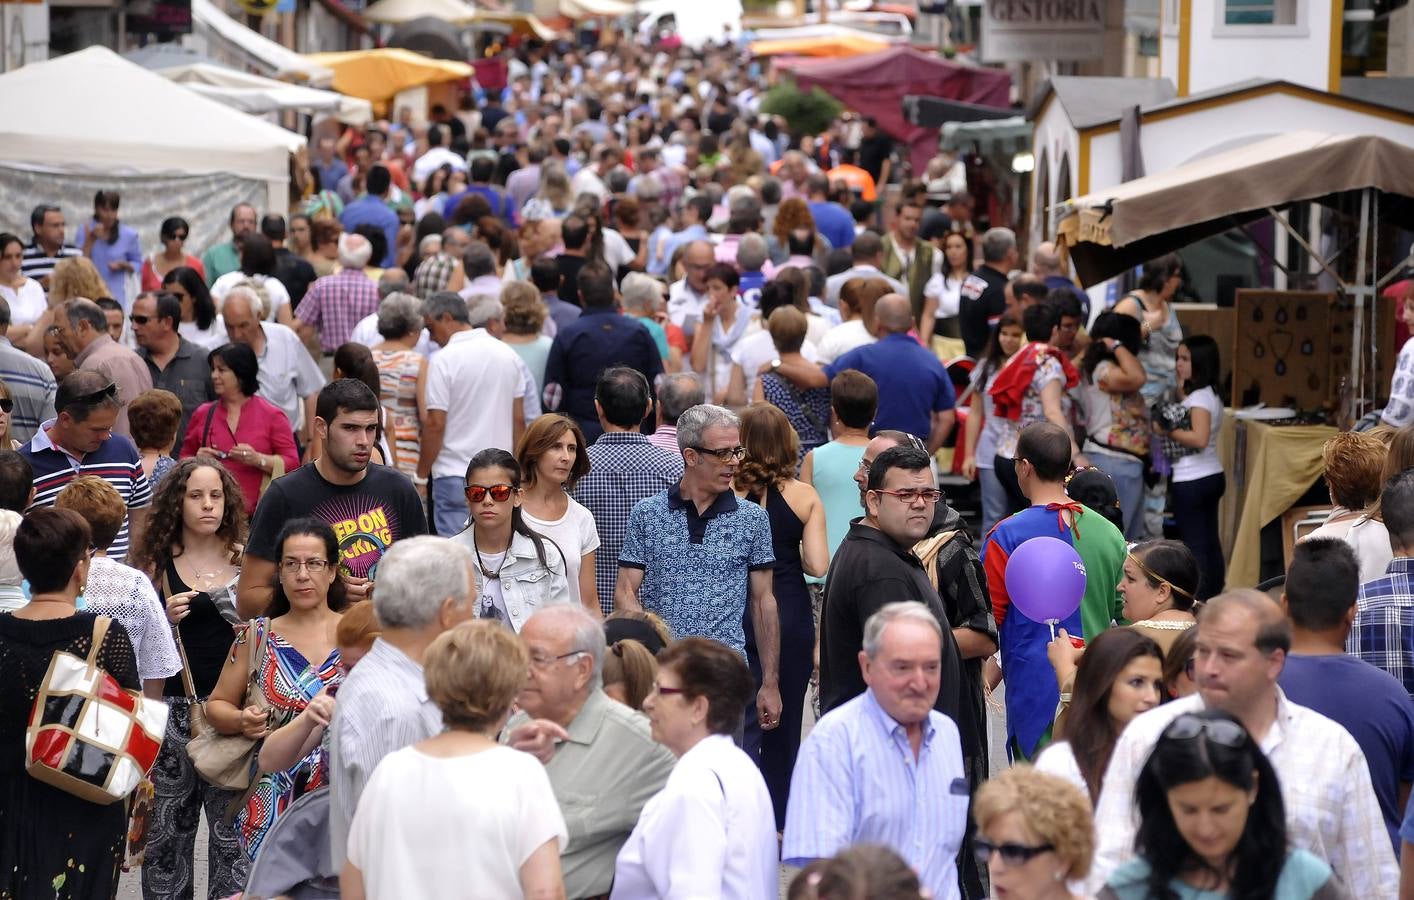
<point>75,276</point>
<point>162,539</point>
<point>1056,810</point>
<point>772,448</point>
<point>792,214</point>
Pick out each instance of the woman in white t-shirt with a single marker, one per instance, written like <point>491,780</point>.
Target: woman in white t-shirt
<point>984,429</point>
<point>459,814</point>
<point>1198,480</point>
<point>552,456</point>
<point>24,295</point>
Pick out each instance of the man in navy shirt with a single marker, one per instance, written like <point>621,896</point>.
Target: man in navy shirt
<point>916,395</point>
<point>602,337</point>
<point>1321,584</point>
<point>370,209</point>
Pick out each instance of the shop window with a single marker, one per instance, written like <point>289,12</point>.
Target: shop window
<point>1259,12</point>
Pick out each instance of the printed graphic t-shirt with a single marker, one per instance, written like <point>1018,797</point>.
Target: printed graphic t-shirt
<point>366,517</point>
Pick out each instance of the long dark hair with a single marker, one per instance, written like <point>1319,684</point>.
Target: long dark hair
<point>202,306</point>
<point>338,597</point>
<point>496,458</point>
<point>992,357</point>
<point>108,200</point>
<point>162,538</point>
<point>1087,725</point>
<point>1123,328</point>
<point>1206,362</point>
<point>1163,561</point>
<point>1260,853</point>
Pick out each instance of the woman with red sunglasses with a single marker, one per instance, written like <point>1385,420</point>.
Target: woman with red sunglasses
<point>518,570</point>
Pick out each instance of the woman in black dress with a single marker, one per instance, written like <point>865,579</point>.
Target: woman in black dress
<point>767,476</point>
<point>191,550</point>
<point>53,844</point>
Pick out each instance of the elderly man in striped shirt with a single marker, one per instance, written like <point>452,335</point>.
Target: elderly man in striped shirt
<point>885,767</point>
<point>424,587</point>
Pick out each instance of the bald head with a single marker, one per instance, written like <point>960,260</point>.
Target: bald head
<point>1273,627</point>
<point>894,314</point>
<point>1046,261</point>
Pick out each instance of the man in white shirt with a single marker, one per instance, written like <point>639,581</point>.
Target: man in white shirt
<point>868,253</point>
<point>436,156</point>
<point>475,400</point>
<point>289,377</point>
<point>425,586</point>
<point>688,297</point>
<point>1331,808</point>
<point>590,179</point>
<point>485,313</point>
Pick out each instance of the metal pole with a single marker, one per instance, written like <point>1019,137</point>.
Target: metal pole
<point>1357,336</point>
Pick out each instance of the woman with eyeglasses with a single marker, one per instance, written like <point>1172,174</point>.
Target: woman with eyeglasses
<point>297,640</point>
<point>247,433</point>
<point>1120,675</point>
<point>518,571</point>
<point>552,459</point>
<point>200,323</point>
<point>710,831</point>
<point>191,549</point>
<point>1213,823</point>
<point>155,268</point>
<point>1034,835</point>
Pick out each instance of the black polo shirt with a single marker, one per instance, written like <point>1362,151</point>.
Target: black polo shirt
<point>868,572</point>
<point>188,375</point>
<point>983,301</point>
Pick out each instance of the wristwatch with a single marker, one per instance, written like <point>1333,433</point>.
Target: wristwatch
<point>775,364</point>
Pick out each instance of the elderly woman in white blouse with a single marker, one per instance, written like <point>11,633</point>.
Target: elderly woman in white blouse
<point>711,831</point>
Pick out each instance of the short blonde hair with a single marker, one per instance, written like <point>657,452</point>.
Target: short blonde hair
<point>473,673</point>
<point>524,311</point>
<point>788,326</point>
<point>1053,808</point>
<point>99,503</point>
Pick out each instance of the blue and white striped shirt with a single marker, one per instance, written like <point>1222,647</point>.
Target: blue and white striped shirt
<point>856,780</point>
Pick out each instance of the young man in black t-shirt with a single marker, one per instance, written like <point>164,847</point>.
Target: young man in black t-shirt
<point>368,506</point>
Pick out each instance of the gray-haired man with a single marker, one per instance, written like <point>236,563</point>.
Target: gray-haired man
<point>424,587</point>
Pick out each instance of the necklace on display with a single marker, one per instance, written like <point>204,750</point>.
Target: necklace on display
<point>481,564</point>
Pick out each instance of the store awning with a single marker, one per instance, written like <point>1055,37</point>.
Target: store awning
<point>262,53</point>
<point>524,24</point>
<point>396,12</point>
<point>821,47</point>
<point>1109,231</point>
<point>258,95</point>
<point>379,75</point>
<point>935,112</point>
<point>1002,138</point>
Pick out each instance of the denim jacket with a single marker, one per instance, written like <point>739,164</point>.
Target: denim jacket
<point>526,585</point>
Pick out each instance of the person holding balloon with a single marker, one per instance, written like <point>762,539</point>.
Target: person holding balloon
<point>1054,564</point>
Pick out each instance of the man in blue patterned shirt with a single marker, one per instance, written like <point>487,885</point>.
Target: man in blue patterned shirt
<point>699,557</point>
<point>623,469</point>
<point>1383,633</point>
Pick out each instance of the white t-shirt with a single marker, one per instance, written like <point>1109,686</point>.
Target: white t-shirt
<point>27,302</point>
<point>275,292</point>
<point>1059,760</point>
<point>843,338</point>
<point>208,338</point>
<point>993,428</point>
<point>475,381</point>
<point>574,533</point>
<point>1205,463</point>
<point>433,827</point>
<point>755,350</point>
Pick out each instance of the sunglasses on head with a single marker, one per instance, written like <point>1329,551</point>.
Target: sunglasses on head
<point>101,394</point>
<point>1219,731</point>
<point>499,492</point>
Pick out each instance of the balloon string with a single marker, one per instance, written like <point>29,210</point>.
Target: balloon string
<point>1052,623</point>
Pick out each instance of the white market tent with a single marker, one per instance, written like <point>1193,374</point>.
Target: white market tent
<point>166,149</point>
<point>258,95</point>
<point>253,48</point>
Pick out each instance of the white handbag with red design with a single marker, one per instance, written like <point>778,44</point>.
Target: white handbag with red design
<point>87,735</point>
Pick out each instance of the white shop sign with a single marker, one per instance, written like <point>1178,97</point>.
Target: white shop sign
<point>1035,30</point>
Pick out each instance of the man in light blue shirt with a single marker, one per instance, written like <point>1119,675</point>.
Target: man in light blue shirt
<point>885,767</point>
<point>371,209</point>
<point>695,213</point>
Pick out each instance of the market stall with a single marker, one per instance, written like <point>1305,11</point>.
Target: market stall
<point>380,75</point>
<point>258,95</point>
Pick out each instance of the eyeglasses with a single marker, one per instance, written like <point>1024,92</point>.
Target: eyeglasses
<point>545,662</point>
<point>913,495</point>
<point>667,691</point>
<point>1219,731</point>
<point>499,492</point>
<point>6,404</point>
<point>315,566</point>
<point>723,454</point>
<point>139,320</point>
<point>1012,854</point>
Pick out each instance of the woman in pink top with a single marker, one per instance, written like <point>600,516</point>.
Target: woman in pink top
<point>249,434</point>
<point>174,233</point>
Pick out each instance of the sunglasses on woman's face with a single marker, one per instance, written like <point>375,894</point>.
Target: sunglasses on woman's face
<point>1012,854</point>
<point>6,405</point>
<point>499,492</point>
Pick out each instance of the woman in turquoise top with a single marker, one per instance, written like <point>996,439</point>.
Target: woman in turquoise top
<point>1213,823</point>
<point>830,467</point>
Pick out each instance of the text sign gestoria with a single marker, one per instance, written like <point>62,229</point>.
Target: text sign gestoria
<point>1033,30</point>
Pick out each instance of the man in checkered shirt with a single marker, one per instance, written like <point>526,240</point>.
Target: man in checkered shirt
<point>336,303</point>
<point>624,468</point>
<point>1383,633</point>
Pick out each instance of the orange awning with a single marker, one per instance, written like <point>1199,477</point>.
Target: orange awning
<point>833,46</point>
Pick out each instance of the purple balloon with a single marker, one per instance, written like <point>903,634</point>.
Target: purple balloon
<point>1046,579</point>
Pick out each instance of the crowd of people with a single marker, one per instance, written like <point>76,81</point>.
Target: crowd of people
<point>504,516</point>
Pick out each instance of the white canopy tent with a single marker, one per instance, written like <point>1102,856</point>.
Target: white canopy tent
<point>167,150</point>
<point>259,95</point>
<point>255,49</point>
